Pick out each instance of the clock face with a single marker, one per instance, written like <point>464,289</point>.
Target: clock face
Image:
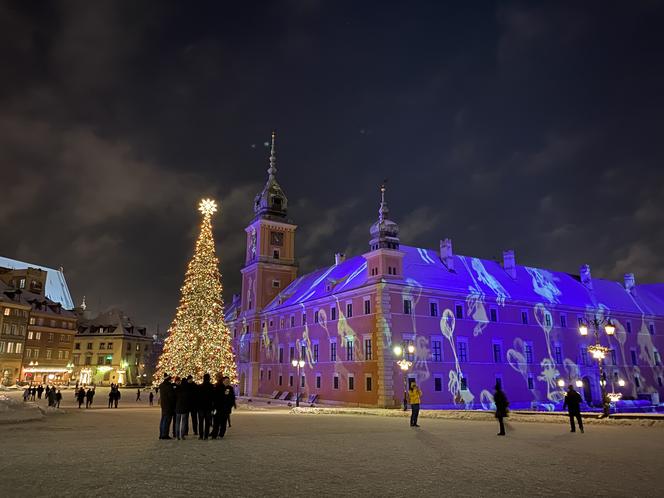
<point>277,238</point>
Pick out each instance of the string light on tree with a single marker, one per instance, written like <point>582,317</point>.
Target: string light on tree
<point>199,340</point>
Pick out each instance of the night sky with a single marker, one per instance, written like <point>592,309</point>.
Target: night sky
<point>501,125</point>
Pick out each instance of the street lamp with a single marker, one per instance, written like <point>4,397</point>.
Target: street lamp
<point>404,364</point>
<point>298,364</point>
<point>599,352</point>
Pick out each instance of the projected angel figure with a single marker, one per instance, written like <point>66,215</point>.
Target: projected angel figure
<point>412,292</point>
<point>550,375</point>
<point>447,325</point>
<point>489,280</point>
<point>544,284</point>
<point>382,322</point>
<point>421,364</point>
<point>476,309</point>
<point>266,341</point>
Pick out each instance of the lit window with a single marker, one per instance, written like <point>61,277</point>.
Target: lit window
<point>462,351</point>
<point>497,353</point>
<point>436,351</point>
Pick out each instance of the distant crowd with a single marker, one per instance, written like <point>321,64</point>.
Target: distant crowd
<point>208,405</point>
<point>53,395</point>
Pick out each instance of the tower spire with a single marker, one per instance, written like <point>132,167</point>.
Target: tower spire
<point>384,232</point>
<point>273,157</point>
<point>383,211</point>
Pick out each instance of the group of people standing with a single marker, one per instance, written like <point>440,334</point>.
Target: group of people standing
<point>572,402</point>
<point>82,395</point>
<point>53,395</point>
<point>114,396</point>
<point>209,406</point>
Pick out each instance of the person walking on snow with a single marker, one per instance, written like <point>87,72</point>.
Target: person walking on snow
<point>414,398</point>
<point>138,394</point>
<point>500,400</point>
<point>573,403</point>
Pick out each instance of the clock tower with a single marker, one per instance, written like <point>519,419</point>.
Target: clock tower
<point>268,268</point>
<point>270,258</point>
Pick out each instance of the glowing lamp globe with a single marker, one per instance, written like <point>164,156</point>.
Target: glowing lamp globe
<point>583,330</point>
<point>610,329</point>
<point>561,383</point>
<point>397,350</point>
<point>411,348</point>
<point>621,382</point>
<point>294,363</point>
<point>579,383</point>
<point>301,363</point>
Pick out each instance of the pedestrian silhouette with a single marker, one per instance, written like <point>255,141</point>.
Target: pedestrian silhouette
<point>501,402</point>
<point>573,403</point>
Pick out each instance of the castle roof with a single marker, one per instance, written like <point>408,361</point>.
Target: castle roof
<point>423,270</point>
<point>56,288</point>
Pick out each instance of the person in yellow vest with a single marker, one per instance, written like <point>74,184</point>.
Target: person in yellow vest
<point>414,397</point>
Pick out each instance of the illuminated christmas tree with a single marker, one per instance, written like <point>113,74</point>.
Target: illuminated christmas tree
<point>199,340</point>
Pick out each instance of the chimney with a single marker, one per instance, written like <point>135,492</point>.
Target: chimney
<point>446,254</point>
<point>339,258</point>
<point>586,277</point>
<point>509,263</point>
<point>630,282</point>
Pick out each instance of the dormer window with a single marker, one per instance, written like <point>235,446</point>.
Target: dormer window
<point>276,202</point>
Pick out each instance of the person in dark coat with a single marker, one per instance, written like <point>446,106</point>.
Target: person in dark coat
<point>182,407</point>
<point>151,398</point>
<point>224,402</point>
<point>58,398</point>
<point>500,400</point>
<point>51,397</point>
<point>40,390</point>
<point>116,396</point>
<point>80,396</point>
<point>573,403</point>
<point>205,404</point>
<point>193,409</point>
<point>167,398</point>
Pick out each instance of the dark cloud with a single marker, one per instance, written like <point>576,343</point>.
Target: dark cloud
<point>517,125</point>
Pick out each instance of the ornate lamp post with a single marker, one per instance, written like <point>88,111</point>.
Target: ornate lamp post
<point>298,364</point>
<point>599,352</point>
<point>404,364</point>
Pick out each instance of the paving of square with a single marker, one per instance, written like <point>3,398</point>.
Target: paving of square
<point>273,452</point>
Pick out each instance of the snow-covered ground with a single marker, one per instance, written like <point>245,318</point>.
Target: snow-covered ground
<point>282,452</point>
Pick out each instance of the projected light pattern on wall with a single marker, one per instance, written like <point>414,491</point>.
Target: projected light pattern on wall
<point>532,313</point>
